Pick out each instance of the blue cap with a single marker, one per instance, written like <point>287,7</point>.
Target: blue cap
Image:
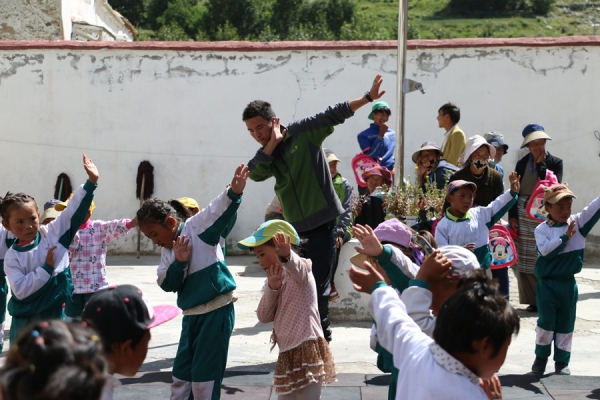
<point>498,142</point>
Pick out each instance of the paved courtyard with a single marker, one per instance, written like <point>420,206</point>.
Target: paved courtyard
<point>250,364</point>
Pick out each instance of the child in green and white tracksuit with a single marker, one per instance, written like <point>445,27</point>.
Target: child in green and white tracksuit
<point>560,243</point>
<point>6,240</point>
<point>193,266</point>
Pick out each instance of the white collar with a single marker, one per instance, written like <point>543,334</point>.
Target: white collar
<point>451,364</point>
<point>450,130</point>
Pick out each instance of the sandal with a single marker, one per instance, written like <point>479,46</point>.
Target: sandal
<point>531,308</point>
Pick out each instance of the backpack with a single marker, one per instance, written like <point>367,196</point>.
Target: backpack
<point>502,247</point>
<point>535,204</point>
<point>360,163</point>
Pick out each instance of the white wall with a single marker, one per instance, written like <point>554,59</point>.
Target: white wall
<point>180,108</point>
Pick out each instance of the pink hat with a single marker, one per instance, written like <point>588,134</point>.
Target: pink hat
<point>378,171</point>
<point>394,231</point>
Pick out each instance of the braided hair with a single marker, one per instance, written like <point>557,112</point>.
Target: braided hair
<point>13,200</point>
<point>156,211</point>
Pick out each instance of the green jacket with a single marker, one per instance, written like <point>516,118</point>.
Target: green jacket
<point>302,179</point>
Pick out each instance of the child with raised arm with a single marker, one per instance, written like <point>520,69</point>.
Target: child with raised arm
<point>88,256</point>
<point>37,263</point>
<point>470,340</point>
<point>470,227</point>
<point>289,300</point>
<point>193,266</point>
<point>560,242</point>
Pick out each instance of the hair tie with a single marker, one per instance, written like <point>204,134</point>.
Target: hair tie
<point>94,338</point>
<point>35,333</point>
<point>32,368</point>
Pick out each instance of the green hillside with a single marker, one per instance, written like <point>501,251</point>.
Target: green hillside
<point>272,20</point>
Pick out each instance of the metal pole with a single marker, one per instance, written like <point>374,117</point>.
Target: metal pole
<point>401,72</point>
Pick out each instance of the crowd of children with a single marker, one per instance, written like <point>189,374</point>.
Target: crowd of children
<point>442,326</point>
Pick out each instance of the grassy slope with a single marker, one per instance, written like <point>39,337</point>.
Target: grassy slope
<point>430,19</point>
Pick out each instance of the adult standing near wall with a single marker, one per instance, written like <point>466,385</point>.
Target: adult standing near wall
<point>531,168</point>
<point>294,156</point>
<point>378,141</point>
<point>455,139</point>
<point>431,167</point>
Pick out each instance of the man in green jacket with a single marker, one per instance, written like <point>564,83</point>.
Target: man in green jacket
<point>303,183</point>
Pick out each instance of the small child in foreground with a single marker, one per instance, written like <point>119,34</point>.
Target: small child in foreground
<point>473,330</point>
<point>560,242</point>
<point>54,360</point>
<point>37,263</point>
<point>470,227</point>
<point>123,318</point>
<point>289,300</point>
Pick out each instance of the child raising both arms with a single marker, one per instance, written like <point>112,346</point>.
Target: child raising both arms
<point>560,242</point>
<point>472,333</point>
<point>193,266</point>
<point>470,227</point>
<point>36,265</point>
<point>289,300</point>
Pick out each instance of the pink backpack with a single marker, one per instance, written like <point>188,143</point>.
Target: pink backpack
<point>502,246</point>
<point>360,163</point>
<point>535,205</point>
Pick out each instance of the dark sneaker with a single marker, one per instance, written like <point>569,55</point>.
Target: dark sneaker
<point>539,366</point>
<point>561,368</point>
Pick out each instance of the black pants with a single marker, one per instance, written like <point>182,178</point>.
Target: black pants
<point>320,249</point>
<point>503,285</point>
<point>336,253</point>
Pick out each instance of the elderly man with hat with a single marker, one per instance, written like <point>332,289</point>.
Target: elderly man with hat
<point>531,169</point>
<point>431,167</point>
<point>378,140</point>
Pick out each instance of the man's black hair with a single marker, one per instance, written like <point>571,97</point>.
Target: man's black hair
<point>256,108</point>
<point>451,110</point>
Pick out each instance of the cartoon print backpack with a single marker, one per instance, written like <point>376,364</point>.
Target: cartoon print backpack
<point>535,205</point>
<point>502,246</point>
<point>360,163</point>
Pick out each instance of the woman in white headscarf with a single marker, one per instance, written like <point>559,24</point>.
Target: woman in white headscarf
<point>475,164</point>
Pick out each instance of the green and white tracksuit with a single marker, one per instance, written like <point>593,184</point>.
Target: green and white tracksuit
<point>6,240</point>
<point>399,270</point>
<point>560,258</point>
<point>39,291</point>
<point>475,227</point>
<point>204,289</point>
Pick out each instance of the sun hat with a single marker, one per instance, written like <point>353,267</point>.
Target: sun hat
<point>553,194</point>
<point>473,143</point>
<point>426,146</point>
<point>49,213</point>
<point>452,186</point>
<point>533,132</point>
<point>330,156</point>
<point>63,204</point>
<point>377,106</point>
<point>266,231</point>
<point>394,231</point>
<point>50,204</point>
<point>123,312</point>
<point>378,171</point>
<point>463,260</point>
<point>188,202</point>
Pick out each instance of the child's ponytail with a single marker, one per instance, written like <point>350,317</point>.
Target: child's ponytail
<point>54,360</point>
<point>182,211</point>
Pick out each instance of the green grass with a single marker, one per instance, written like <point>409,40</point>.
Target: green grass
<point>432,20</point>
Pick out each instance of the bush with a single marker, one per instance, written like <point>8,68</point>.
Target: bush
<point>541,7</point>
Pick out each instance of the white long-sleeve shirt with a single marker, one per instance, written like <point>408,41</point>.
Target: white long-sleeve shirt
<point>25,266</point>
<point>426,371</point>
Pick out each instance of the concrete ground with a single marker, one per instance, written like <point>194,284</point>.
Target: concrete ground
<point>250,364</point>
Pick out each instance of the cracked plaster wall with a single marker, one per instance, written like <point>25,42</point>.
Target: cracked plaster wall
<point>31,20</point>
<point>182,112</point>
